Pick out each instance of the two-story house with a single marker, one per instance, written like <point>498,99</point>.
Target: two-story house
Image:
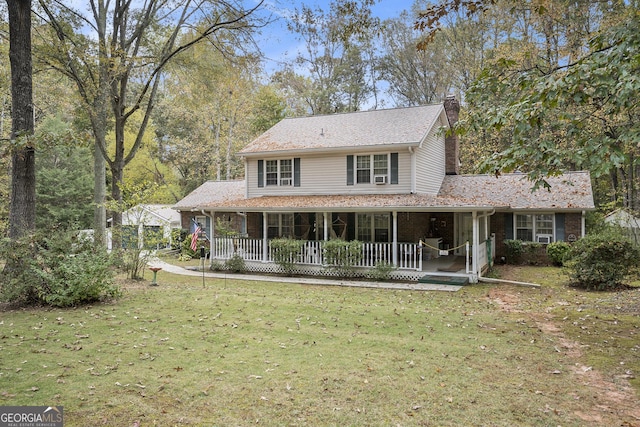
<point>388,178</point>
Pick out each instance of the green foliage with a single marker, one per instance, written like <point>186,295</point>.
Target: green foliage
<point>558,252</point>
<point>216,265</point>
<point>285,253</point>
<point>381,272</point>
<point>235,264</point>
<point>343,256</point>
<point>552,117</point>
<point>58,270</point>
<point>514,251</point>
<point>601,261</point>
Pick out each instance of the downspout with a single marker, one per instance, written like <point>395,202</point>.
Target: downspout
<point>395,238</point>
<point>413,170</point>
<point>583,224</point>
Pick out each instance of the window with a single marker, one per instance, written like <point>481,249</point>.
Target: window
<point>363,169</point>
<point>534,227</point>
<point>365,173</point>
<point>380,164</point>
<point>272,172</point>
<point>286,172</point>
<point>373,227</point>
<point>279,225</point>
<point>279,172</point>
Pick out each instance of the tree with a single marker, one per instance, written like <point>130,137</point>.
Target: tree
<point>557,92</point>
<point>332,75</point>
<point>22,212</point>
<point>119,72</point>
<point>64,178</point>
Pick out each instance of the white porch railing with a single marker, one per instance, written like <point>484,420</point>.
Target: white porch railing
<point>409,255</point>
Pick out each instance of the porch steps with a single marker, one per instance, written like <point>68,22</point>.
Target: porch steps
<point>445,280</point>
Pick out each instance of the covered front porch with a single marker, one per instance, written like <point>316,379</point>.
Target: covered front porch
<point>443,243</point>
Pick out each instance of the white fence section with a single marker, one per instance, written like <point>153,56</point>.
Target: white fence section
<point>409,254</point>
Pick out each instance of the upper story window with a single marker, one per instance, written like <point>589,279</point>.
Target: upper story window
<point>372,169</point>
<point>283,172</point>
<point>534,227</point>
<point>279,172</point>
<point>365,173</point>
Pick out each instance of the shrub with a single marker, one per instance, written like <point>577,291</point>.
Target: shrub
<point>58,270</point>
<point>285,253</point>
<point>558,252</point>
<point>235,264</point>
<point>514,251</point>
<point>601,261</point>
<point>381,272</point>
<point>343,256</point>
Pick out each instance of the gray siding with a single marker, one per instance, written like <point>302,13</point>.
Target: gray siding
<point>327,174</point>
<point>430,163</point>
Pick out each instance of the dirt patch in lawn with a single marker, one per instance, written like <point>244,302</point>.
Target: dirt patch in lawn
<point>617,400</point>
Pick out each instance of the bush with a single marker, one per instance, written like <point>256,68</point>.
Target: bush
<point>514,251</point>
<point>343,256</point>
<point>58,270</point>
<point>285,253</point>
<point>381,272</point>
<point>558,252</point>
<point>235,264</point>
<point>601,261</point>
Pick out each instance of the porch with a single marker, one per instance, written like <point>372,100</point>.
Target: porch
<point>411,261</point>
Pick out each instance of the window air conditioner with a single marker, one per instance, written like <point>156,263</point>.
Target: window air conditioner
<point>544,238</point>
<point>380,179</point>
<point>285,181</point>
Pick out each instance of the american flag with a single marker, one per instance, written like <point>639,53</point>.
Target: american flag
<point>195,232</point>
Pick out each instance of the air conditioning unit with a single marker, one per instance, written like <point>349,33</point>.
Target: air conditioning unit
<point>285,181</point>
<point>544,238</point>
<point>380,179</point>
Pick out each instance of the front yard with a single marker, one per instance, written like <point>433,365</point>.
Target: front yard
<point>237,353</point>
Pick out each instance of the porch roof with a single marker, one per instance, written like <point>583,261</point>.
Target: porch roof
<point>569,191</point>
<point>404,126</point>
<point>230,196</point>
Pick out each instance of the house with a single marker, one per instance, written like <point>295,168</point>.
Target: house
<point>389,178</point>
<point>625,219</point>
<point>146,220</point>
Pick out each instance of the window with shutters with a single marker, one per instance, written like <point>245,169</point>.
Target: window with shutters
<point>279,172</point>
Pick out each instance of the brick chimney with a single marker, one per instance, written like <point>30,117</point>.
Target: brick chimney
<point>451,144</point>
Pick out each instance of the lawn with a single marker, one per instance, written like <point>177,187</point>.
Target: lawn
<point>237,353</point>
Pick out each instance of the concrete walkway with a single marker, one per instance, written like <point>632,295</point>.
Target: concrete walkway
<point>156,262</point>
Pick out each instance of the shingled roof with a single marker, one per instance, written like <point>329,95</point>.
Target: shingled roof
<point>395,126</point>
<point>570,191</point>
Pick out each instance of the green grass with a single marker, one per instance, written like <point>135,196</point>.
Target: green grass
<point>240,353</point>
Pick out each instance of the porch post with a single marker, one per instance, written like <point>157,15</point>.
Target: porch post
<point>325,225</point>
<point>395,238</point>
<point>265,242</point>
<point>476,243</point>
<point>212,235</point>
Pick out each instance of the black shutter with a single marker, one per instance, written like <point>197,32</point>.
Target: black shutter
<point>394,168</point>
<point>349,170</point>
<point>260,173</point>
<point>508,226</point>
<point>560,227</point>
<point>296,172</point>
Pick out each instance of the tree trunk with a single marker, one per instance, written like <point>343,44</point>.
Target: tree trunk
<point>22,213</point>
<point>99,193</point>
